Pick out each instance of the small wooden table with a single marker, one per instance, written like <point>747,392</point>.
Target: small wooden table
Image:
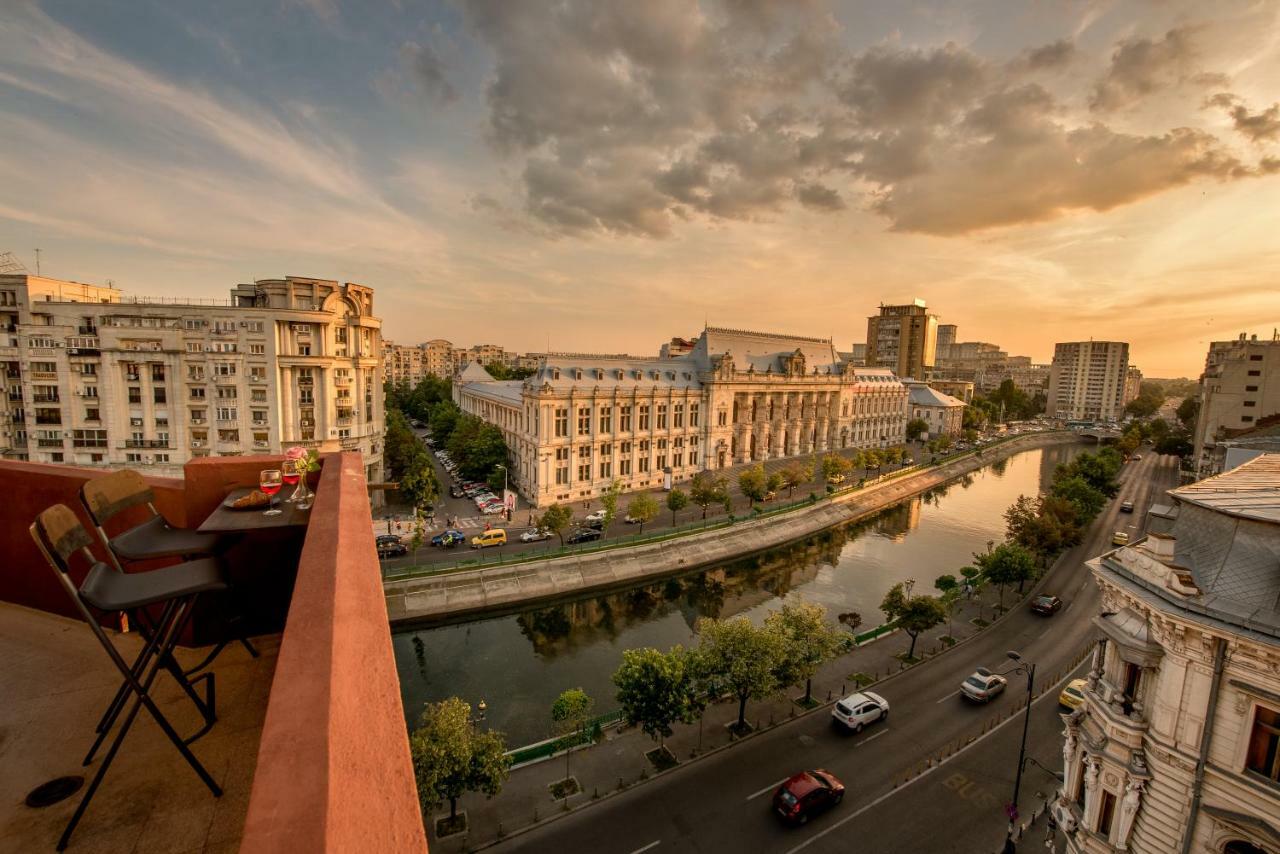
<point>225,521</point>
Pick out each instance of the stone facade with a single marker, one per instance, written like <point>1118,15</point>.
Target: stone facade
<point>583,421</point>
<point>1177,744</point>
<point>94,377</point>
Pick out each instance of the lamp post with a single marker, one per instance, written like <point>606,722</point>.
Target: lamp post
<point>506,511</point>
<point>1029,668</point>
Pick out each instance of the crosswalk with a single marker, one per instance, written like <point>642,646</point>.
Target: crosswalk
<point>469,523</point>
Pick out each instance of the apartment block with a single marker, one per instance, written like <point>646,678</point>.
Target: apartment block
<point>1240,387</point>
<point>903,338</point>
<point>95,377</point>
<point>1087,380</point>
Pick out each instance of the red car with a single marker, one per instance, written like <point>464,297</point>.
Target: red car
<point>1046,605</point>
<point>806,794</point>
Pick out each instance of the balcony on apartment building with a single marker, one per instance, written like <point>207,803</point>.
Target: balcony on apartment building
<point>309,746</point>
<point>146,443</point>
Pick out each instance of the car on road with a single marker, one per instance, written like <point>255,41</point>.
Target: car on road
<point>770,495</point>
<point>484,539</point>
<point>389,545</point>
<point>455,491</point>
<point>1126,506</point>
<point>1046,605</point>
<point>1072,694</point>
<point>448,539</point>
<point>1137,457</point>
<point>582,535</point>
<point>632,520</point>
<point>835,479</point>
<point>535,535</point>
<point>806,794</point>
<point>982,685</point>
<point>858,710</point>
<point>595,516</point>
<point>1119,538</point>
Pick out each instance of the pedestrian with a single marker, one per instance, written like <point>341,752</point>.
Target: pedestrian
<point>388,524</point>
<point>399,526</point>
<point>487,526</point>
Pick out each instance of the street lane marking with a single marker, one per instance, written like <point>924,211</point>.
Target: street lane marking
<point>768,788</point>
<point>944,699</point>
<point>654,844</point>
<point>1051,692</point>
<point>872,737</point>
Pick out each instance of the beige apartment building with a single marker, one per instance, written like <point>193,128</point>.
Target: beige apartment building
<point>1087,381</point>
<point>1132,384</point>
<point>403,364</point>
<point>95,377</point>
<point>904,339</point>
<point>1239,392</point>
<point>1177,744</point>
<point>583,421</point>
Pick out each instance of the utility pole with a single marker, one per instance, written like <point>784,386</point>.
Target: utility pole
<point>37,260</point>
<point>1030,669</point>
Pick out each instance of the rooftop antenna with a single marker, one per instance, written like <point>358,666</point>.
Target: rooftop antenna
<point>37,260</point>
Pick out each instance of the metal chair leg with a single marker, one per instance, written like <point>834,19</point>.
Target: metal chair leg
<point>108,718</point>
<point>169,634</point>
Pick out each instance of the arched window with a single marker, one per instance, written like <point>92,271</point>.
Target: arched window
<point>1239,846</point>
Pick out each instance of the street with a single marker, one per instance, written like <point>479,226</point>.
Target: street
<point>722,802</point>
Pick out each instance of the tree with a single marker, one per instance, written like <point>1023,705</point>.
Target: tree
<point>656,689</point>
<point>949,587</point>
<point>833,465</point>
<point>914,615</point>
<point>773,484</point>
<point>1087,500</point>
<point>477,447</point>
<point>643,507</point>
<point>444,417</point>
<point>794,475</point>
<point>1189,412</point>
<point>609,503</point>
<point>418,482</point>
<point>915,427</point>
<point>741,657</point>
<point>1006,564</point>
<point>806,640</point>
<point>570,713</point>
<point>1148,402</point>
<point>556,519</point>
<point>1045,525</point>
<point>1176,445</point>
<point>451,757</point>
<point>677,500</point>
<point>706,489</point>
<point>753,483</point>
<point>851,620</point>
<point>399,443</point>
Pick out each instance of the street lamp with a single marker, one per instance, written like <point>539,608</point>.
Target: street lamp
<point>1029,668</point>
<point>505,509</point>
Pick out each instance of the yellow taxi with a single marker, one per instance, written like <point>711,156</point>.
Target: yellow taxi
<point>1119,538</point>
<point>1072,695</point>
<point>496,537</point>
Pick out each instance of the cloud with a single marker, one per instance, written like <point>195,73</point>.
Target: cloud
<point>1142,66</point>
<point>1262,126</point>
<point>630,119</point>
<point>429,72</point>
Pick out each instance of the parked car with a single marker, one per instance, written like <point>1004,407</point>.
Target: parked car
<point>1072,694</point>
<point>858,710</point>
<point>1137,456</point>
<point>1119,538</point>
<point>770,495</point>
<point>595,516</point>
<point>448,539</point>
<point>836,479</point>
<point>583,535</point>
<point>1046,605</point>
<point>1126,506</point>
<point>389,545</point>
<point>535,535</point>
<point>484,539</point>
<point>806,794</point>
<point>632,520</point>
<point>983,685</point>
<point>493,509</point>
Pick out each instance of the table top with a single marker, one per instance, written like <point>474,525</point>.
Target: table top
<point>224,520</point>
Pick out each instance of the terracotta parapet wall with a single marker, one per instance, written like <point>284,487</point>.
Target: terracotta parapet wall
<point>334,772</point>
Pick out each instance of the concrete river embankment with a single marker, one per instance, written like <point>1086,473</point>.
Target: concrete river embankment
<point>503,589</point>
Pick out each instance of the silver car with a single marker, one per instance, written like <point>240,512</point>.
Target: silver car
<point>983,685</point>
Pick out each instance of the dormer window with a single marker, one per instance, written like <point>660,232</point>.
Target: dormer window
<point>555,373</point>
<point>599,373</point>
<point>577,373</point>
<point>671,375</point>
<point>639,375</point>
<point>617,374</point>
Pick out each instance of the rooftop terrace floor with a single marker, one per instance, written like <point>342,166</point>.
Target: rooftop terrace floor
<point>56,680</point>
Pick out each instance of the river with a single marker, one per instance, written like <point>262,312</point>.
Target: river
<point>519,664</point>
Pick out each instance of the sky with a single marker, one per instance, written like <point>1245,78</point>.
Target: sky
<point>602,175</point>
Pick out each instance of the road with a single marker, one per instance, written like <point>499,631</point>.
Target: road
<point>722,803</point>
<point>471,521</point>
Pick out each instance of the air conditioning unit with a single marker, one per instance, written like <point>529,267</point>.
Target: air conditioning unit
<point>135,422</point>
<point>146,458</point>
<point>197,443</point>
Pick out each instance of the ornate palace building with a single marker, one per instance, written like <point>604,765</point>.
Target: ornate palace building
<point>583,421</point>
<point>1177,745</point>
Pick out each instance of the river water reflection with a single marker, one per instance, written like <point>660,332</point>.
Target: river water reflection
<point>519,664</point>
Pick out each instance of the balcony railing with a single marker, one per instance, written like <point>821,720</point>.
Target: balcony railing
<point>146,443</point>
<point>48,443</point>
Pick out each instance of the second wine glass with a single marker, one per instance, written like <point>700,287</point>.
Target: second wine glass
<point>270,481</point>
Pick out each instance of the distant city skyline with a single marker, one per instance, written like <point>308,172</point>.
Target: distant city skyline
<point>603,176</point>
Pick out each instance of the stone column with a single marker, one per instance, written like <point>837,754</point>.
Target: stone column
<point>1129,805</point>
<point>1092,802</point>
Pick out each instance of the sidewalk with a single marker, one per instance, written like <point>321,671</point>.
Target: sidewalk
<point>619,761</point>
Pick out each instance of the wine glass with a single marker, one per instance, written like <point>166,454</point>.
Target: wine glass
<point>269,482</point>
<point>290,473</point>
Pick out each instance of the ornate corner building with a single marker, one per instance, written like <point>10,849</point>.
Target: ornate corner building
<point>1177,745</point>
<point>583,421</point>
